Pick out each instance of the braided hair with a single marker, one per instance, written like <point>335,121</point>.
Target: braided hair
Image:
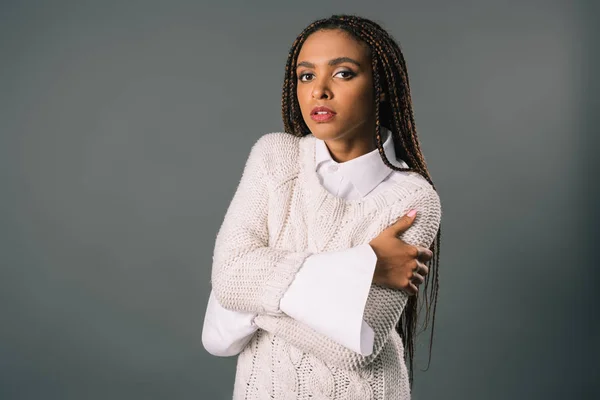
<point>390,77</point>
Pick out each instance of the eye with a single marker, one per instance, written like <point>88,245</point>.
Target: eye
<point>349,74</point>
<point>302,77</point>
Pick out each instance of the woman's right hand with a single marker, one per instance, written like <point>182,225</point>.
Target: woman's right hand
<point>399,264</point>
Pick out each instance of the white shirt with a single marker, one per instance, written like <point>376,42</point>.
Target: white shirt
<point>340,317</point>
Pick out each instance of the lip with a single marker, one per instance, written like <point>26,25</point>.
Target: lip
<point>329,114</point>
<point>321,108</point>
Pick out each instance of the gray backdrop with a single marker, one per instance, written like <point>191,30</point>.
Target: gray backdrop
<point>124,129</point>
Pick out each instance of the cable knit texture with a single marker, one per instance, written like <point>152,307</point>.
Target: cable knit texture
<point>280,214</point>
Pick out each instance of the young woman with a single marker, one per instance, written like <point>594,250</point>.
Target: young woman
<point>334,225</point>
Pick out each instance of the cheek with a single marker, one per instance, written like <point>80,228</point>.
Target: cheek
<point>365,91</point>
<point>360,100</point>
<point>301,95</point>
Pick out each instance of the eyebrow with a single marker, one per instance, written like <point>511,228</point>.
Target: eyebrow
<point>332,62</point>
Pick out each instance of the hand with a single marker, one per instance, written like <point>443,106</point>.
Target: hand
<point>399,264</point>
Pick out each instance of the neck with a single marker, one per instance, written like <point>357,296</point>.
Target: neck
<point>347,147</point>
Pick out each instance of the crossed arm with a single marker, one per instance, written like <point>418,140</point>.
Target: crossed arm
<point>308,300</point>
<point>384,306</point>
<point>250,277</point>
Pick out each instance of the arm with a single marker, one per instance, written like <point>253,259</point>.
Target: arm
<point>247,275</point>
<point>225,332</point>
<point>384,305</point>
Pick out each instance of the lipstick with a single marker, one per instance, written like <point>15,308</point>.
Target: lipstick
<point>322,114</point>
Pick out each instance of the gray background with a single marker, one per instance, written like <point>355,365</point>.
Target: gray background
<point>124,128</point>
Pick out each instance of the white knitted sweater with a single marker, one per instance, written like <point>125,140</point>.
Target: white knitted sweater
<point>279,215</point>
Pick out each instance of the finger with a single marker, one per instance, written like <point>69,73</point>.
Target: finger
<point>417,279</point>
<point>413,290</point>
<point>403,223</point>
<point>424,254</point>
<point>422,269</point>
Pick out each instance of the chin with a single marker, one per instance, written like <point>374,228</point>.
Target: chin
<point>324,131</point>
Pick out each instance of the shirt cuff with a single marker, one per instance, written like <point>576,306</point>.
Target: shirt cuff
<point>329,294</point>
<point>225,332</point>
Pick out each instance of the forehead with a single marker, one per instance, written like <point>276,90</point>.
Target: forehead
<point>324,45</point>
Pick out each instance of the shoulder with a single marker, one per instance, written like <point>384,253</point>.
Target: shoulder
<point>416,192</point>
<point>411,181</point>
<point>277,145</point>
<point>279,153</point>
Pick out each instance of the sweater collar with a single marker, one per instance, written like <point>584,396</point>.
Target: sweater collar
<point>366,172</point>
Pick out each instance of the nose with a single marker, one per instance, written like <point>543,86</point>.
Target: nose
<point>321,91</point>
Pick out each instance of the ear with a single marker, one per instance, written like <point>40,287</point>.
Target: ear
<point>382,97</point>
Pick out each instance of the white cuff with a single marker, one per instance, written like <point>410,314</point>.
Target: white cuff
<point>329,294</point>
<point>225,332</point>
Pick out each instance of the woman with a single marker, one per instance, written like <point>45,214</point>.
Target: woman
<point>308,263</point>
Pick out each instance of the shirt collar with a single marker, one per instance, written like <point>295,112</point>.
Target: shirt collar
<point>365,172</point>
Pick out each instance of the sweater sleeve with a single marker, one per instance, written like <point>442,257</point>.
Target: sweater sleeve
<point>247,275</point>
<point>384,305</point>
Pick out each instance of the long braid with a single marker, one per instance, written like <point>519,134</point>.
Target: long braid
<point>378,140</point>
<point>390,77</point>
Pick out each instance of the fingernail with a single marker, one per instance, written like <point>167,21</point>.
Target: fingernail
<point>412,213</point>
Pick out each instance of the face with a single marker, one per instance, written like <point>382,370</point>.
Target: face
<point>334,72</point>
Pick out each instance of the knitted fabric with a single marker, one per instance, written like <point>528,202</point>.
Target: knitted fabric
<point>280,214</point>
